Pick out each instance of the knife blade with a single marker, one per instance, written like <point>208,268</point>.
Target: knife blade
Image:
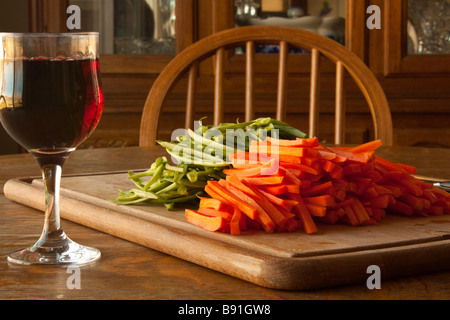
<point>445,185</point>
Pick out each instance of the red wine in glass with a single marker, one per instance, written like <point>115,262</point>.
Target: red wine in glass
<point>50,102</point>
<point>58,104</point>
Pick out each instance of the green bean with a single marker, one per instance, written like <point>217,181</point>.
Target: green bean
<point>197,161</point>
<point>202,155</point>
<point>208,142</point>
<point>189,151</point>
<point>170,187</point>
<point>155,176</point>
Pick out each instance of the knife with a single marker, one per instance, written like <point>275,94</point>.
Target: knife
<point>445,185</point>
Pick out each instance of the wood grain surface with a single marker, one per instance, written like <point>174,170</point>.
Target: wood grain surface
<point>292,261</point>
<point>131,271</point>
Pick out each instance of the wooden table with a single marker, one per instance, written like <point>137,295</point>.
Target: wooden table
<point>130,271</point>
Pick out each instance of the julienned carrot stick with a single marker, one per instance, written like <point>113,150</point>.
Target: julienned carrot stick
<point>250,211</point>
<point>360,212</point>
<point>268,207</point>
<point>235,223</point>
<point>316,210</point>
<point>436,210</point>
<point>243,220</point>
<point>290,176</point>
<point>328,166</point>
<point>266,169</point>
<point>363,157</point>
<point>415,202</point>
<point>244,172</point>
<point>350,215</point>
<point>310,142</point>
<point>391,166</point>
<point>369,146</point>
<point>409,185</point>
<point>268,180</point>
<point>292,188</point>
<point>283,203</point>
<point>215,213</point>
<point>275,190</point>
<point>212,203</point>
<point>401,207</point>
<point>441,193</point>
<point>243,157</point>
<point>318,189</point>
<point>262,216</point>
<point>380,201</point>
<point>299,166</point>
<point>323,200</point>
<point>205,222</point>
<point>294,184</point>
<point>332,217</point>
<point>286,151</point>
<point>304,215</point>
<point>217,196</point>
<point>261,200</point>
<point>291,225</point>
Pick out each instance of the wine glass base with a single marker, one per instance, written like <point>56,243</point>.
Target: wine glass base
<point>71,253</point>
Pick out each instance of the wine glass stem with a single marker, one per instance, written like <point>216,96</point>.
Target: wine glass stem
<point>52,234</point>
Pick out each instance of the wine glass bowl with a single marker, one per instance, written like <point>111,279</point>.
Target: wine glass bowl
<point>50,102</point>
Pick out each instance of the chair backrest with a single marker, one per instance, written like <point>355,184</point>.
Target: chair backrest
<point>317,45</point>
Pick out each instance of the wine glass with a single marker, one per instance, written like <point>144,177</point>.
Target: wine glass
<point>50,102</point>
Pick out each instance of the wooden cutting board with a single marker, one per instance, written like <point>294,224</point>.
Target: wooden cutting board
<point>337,255</point>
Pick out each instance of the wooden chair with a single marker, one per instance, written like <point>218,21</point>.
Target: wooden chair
<point>216,44</point>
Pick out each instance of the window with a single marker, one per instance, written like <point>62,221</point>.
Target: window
<point>130,26</point>
<point>428,27</point>
<point>323,17</point>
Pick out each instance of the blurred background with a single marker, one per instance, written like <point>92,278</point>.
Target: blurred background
<point>410,55</point>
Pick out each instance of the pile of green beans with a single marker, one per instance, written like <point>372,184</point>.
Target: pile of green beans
<point>211,145</point>
<point>201,155</point>
<point>164,183</point>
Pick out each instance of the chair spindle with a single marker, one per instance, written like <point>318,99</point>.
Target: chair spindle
<point>190,96</point>
<point>218,89</point>
<point>249,81</point>
<point>282,75</point>
<point>314,93</point>
<point>340,105</point>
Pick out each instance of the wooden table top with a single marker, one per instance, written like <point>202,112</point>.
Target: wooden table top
<point>130,271</point>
